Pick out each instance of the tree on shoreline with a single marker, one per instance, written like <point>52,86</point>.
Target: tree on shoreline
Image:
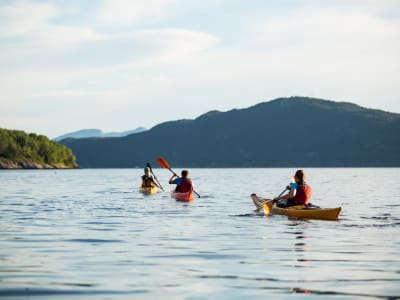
<point>20,147</point>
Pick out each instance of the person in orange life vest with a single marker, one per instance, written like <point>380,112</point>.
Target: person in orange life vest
<point>183,184</point>
<point>299,192</point>
<point>147,179</point>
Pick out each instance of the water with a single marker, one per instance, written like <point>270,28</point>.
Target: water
<point>89,234</point>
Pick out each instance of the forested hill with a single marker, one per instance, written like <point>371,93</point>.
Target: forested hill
<point>286,132</point>
<point>19,150</point>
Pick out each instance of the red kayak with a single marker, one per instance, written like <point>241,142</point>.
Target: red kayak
<point>182,196</point>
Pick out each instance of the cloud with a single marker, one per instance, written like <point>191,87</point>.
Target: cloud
<point>61,36</point>
<point>21,18</point>
<point>29,23</point>
<point>310,27</point>
<point>373,7</point>
<point>127,12</point>
<point>97,66</point>
<point>328,41</point>
<point>174,45</point>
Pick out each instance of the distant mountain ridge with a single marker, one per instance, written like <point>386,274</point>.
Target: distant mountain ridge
<point>87,133</point>
<point>285,132</point>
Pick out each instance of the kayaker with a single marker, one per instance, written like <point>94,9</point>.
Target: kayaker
<point>147,179</point>
<point>299,192</point>
<point>183,183</point>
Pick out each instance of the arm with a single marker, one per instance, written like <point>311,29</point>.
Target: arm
<point>171,180</point>
<point>289,195</point>
<point>292,186</point>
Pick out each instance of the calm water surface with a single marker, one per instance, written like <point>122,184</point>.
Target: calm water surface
<point>90,234</point>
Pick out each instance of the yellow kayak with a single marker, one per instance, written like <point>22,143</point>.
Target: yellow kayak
<point>149,190</point>
<point>299,211</point>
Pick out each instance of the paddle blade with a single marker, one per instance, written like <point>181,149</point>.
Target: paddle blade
<point>162,162</point>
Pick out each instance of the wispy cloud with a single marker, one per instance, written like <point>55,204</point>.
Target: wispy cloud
<point>135,12</point>
<point>325,28</point>
<point>174,45</point>
<point>22,18</point>
<point>100,62</point>
<point>33,23</point>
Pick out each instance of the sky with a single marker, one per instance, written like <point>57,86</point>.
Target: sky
<point>119,64</point>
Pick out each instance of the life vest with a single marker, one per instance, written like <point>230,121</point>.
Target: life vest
<point>303,194</point>
<point>185,186</point>
<point>147,181</point>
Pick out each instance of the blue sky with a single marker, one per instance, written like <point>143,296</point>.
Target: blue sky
<point>119,64</point>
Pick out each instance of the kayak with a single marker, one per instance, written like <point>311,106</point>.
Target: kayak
<point>303,212</point>
<point>298,211</point>
<point>149,190</point>
<point>182,196</point>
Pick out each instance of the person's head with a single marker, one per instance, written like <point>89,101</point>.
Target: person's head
<point>147,171</point>
<point>300,176</point>
<point>185,173</point>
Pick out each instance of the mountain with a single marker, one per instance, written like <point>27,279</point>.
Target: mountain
<point>86,133</point>
<point>286,132</point>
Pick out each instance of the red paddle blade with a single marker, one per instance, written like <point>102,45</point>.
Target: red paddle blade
<point>162,162</point>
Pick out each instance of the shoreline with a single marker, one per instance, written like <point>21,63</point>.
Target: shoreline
<point>6,164</point>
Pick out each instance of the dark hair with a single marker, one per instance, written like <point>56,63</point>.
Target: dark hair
<point>185,173</point>
<point>301,176</point>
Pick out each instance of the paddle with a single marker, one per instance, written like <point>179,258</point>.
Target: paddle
<point>155,177</point>
<point>281,194</point>
<point>163,163</point>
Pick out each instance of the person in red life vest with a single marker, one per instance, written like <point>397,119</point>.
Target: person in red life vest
<point>183,184</point>
<point>299,192</point>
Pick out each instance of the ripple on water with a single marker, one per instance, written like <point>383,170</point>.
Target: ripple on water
<point>94,241</point>
<point>24,292</point>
